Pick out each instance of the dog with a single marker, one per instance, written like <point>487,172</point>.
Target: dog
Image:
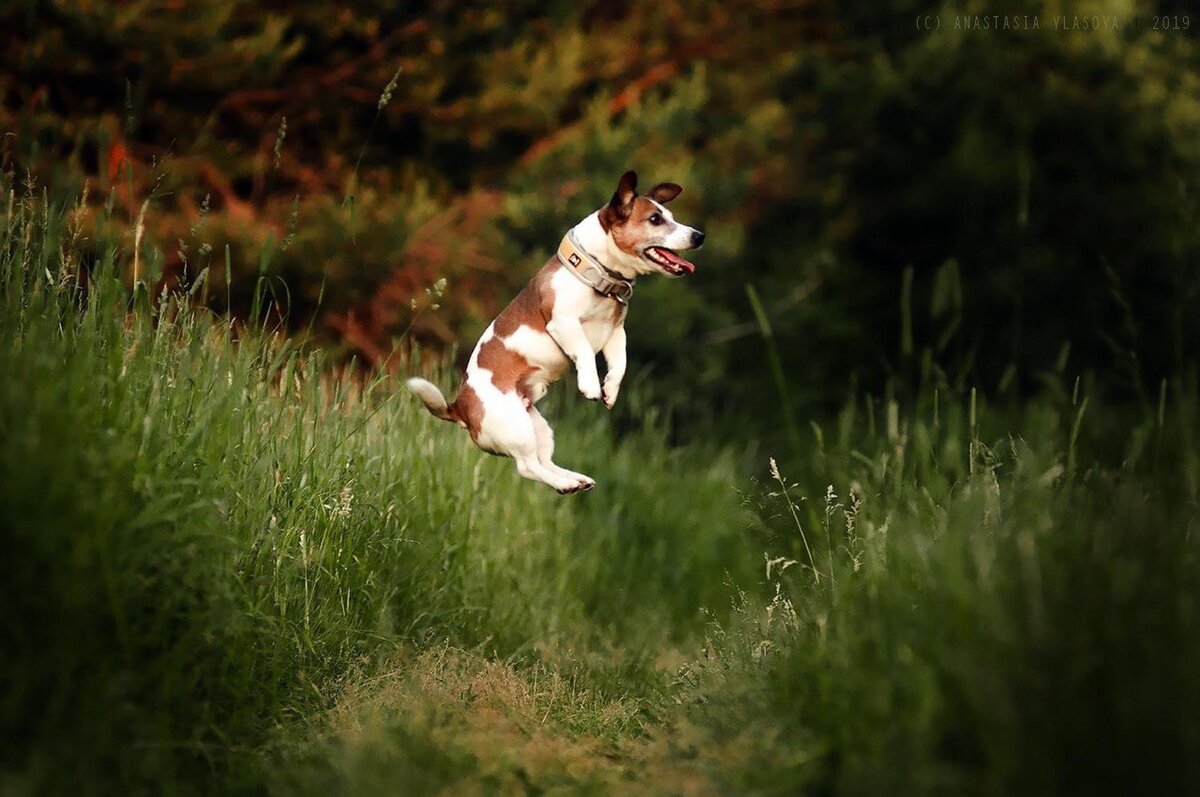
<point>571,310</point>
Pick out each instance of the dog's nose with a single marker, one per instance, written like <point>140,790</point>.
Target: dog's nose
<point>697,238</point>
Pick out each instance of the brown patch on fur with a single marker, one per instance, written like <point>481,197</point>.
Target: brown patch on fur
<point>546,291</point>
<point>628,232</point>
<point>665,192</point>
<point>618,313</point>
<point>607,218</point>
<point>627,207</point>
<point>469,409</point>
<point>508,368</point>
<point>532,306</point>
<point>618,208</point>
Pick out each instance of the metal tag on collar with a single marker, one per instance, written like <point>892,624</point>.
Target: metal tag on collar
<point>621,291</point>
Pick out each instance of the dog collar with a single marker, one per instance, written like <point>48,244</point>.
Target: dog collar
<point>591,272</point>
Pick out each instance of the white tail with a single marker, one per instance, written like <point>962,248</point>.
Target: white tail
<point>432,398</point>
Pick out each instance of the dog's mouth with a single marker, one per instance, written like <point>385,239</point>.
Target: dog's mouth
<point>668,261</point>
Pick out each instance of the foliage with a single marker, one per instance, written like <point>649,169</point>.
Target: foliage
<point>950,287</point>
<point>229,568</point>
<point>1037,187</point>
<point>208,534</point>
<point>980,600</point>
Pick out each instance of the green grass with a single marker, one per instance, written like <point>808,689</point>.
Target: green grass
<point>1002,611</point>
<point>207,534</point>
<point>229,568</point>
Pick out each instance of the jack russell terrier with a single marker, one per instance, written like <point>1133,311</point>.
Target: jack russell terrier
<point>571,310</point>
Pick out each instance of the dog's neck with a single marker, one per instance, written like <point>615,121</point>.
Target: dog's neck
<point>599,244</point>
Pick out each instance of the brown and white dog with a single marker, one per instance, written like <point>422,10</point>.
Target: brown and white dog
<point>574,308</point>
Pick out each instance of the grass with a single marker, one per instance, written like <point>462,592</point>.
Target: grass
<point>998,611</point>
<point>230,568</point>
<point>207,532</point>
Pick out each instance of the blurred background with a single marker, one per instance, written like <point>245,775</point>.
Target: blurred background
<point>890,207</point>
<point>950,288</point>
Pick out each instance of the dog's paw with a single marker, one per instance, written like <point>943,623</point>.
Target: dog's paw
<point>590,390</point>
<point>581,486</point>
<point>609,395</point>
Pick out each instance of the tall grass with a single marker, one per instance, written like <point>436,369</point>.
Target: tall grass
<point>228,566</point>
<point>207,531</point>
<point>1011,605</point>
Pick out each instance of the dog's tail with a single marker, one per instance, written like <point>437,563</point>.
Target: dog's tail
<point>433,399</point>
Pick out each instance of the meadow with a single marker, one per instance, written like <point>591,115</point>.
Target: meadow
<point>234,565</point>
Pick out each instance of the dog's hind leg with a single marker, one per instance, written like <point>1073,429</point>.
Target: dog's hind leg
<point>507,428</point>
<point>545,451</point>
<point>531,468</point>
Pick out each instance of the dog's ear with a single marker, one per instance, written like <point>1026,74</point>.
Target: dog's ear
<point>665,192</point>
<point>621,204</point>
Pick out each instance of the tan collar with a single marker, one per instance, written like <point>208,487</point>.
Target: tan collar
<point>591,272</point>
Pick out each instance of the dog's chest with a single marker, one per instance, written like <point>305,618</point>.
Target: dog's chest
<point>601,321</point>
<point>599,315</point>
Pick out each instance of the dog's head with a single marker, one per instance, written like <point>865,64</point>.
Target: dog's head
<point>645,232</point>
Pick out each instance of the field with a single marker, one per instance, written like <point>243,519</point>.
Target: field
<point>230,566</point>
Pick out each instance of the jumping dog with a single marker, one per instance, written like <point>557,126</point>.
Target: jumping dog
<point>571,310</point>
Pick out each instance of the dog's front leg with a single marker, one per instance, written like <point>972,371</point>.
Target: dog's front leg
<point>614,359</point>
<point>568,334</point>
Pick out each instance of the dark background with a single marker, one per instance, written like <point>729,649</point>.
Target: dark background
<point>913,208</point>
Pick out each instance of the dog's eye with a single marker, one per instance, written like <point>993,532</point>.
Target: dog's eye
<point>655,219</point>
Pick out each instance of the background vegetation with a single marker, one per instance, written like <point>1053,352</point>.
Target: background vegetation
<point>950,292</point>
<point>1029,183</point>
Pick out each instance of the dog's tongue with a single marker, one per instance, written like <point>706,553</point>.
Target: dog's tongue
<point>675,260</point>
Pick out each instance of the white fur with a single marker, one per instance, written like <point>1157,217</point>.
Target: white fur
<point>542,352</point>
<point>429,394</point>
<point>677,236</point>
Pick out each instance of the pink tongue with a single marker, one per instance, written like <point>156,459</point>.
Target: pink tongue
<point>675,259</point>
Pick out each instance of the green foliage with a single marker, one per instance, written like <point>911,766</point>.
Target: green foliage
<point>993,603</point>
<point>1057,170</point>
<point>958,268</point>
<point>208,533</point>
